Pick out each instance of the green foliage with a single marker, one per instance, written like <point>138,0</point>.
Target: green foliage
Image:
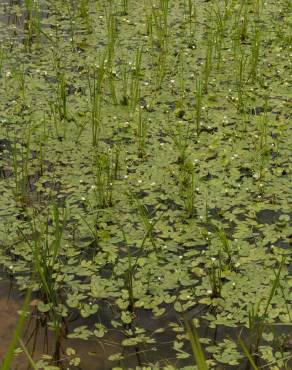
<point>145,174</point>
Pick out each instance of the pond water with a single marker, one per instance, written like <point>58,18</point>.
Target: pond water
<point>145,182</point>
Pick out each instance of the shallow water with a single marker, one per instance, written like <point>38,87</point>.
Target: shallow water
<point>229,173</point>
<point>93,355</point>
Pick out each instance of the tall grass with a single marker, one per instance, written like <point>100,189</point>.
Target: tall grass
<point>96,77</point>
<point>257,321</point>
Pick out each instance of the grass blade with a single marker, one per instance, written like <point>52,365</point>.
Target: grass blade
<point>17,333</point>
<point>247,354</point>
<point>196,345</point>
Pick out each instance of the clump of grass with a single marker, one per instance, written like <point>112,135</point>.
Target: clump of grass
<point>198,106</point>
<point>125,7</point>
<point>45,248</point>
<point>255,55</point>
<point>21,168</point>
<point>135,79</point>
<point>257,321</point>
<point>33,21</point>
<point>181,141</point>
<point>241,82</point>
<point>61,98</point>
<point>72,20</point>
<point>226,245</point>
<point>161,67</point>
<point>208,64</point>
<point>104,169</point>
<point>2,55</point>
<point>215,278</point>
<point>84,13</point>
<point>221,16</point>
<point>191,15</point>
<point>112,34</point>
<point>187,185</point>
<point>141,134</point>
<point>96,77</point>
<point>148,224</point>
<point>160,18</point>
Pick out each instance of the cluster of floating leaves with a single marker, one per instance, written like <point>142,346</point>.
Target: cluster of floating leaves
<point>145,174</point>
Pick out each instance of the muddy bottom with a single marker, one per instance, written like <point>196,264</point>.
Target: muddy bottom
<point>41,342</point>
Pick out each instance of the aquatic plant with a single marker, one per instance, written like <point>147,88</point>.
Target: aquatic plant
<point>145,182</point>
